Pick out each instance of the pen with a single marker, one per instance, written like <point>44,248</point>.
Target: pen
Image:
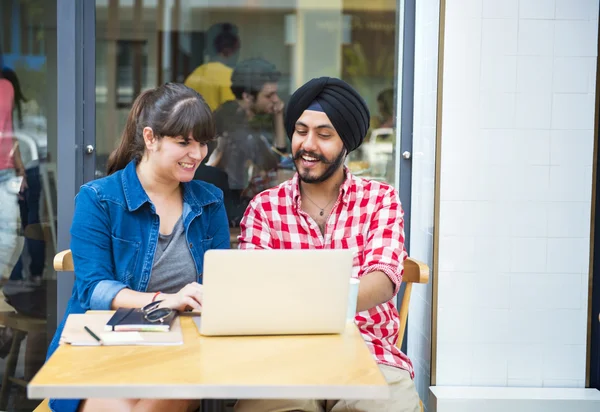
<point>88,330</point>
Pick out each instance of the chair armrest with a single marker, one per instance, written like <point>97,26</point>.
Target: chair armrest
<point>63,261</point>
<point>43,407</point>
<point>415,271</point>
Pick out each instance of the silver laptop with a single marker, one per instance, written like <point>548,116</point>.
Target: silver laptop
<point>275,292</point>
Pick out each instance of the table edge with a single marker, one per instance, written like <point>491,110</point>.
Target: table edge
<point>195,391</point>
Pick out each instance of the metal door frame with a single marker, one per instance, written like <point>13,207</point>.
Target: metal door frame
<point>405,107</point>
<point>593,336</point>
<point>405,69</point>
<point>75,38</point>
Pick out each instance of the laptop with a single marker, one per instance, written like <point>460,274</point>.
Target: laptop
<point>275,292</point>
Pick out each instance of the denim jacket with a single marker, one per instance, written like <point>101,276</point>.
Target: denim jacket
<point>114,235</point>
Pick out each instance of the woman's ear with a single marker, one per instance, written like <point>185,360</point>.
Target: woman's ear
<point>150,139</point>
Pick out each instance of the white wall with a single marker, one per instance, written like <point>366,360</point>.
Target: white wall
<point>423,186</point>
<point>516,178</point>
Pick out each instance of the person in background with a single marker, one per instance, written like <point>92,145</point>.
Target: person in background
<point>213,79</point>
<point>19,99</point>
<point>12,176</point>
<point>29,199</point>
<point>139,234</point>
<point>385,104</point>
<point>325,207</point>
<point>240,145</point>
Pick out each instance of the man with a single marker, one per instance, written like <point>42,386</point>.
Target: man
<point>325,207</point>
<point>245,148</point>
<point>213,79</point>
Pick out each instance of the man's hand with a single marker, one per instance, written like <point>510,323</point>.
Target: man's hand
<point>278,107</point>
<point>280,140</point>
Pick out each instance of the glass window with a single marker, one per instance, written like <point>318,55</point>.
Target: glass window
<point>245,59</point>
<point>27,188</point>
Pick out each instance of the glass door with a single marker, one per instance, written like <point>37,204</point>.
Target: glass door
<point>141,44</point>
<point>28,191</point>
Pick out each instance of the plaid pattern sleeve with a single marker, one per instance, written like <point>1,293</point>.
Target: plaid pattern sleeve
<point>384,250</point>
<point>366,218</point>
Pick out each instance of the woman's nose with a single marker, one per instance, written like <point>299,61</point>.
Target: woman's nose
<point>196,151</point>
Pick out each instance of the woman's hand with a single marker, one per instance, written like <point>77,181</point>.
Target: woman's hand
<point>190,296</point>
<point>23,188</point>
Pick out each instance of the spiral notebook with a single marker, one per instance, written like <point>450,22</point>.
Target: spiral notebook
<point>75,334</point>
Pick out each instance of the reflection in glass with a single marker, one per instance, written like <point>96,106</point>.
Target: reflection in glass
<point>132,63</point>
<point>27,190</point>
<point>203,44</point>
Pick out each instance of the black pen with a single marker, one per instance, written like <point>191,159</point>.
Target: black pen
<point>88,330</point>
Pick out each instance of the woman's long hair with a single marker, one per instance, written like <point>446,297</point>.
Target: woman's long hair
<point>169,110</point>
<point>19,99</point>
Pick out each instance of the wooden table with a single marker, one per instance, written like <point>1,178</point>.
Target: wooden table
<point>311,367</point>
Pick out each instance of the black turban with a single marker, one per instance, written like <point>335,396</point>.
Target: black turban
<point>344,107</point>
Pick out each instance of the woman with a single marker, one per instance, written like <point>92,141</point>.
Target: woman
<point>139,234</point>
<point>29,194</point>
<point>12,178</point>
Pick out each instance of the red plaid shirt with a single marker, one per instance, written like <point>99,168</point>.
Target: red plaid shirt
<point>367,218</point>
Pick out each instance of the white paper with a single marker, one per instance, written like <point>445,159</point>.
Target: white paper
<point>121,337</point>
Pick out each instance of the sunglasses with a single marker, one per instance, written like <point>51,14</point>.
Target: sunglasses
<point>152,313</point>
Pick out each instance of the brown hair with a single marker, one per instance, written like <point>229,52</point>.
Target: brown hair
<point>169,110</point>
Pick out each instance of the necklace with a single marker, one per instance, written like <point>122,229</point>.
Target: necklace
<point>322,208</point>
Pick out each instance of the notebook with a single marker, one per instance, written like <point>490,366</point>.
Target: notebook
<point>75,334</point>
<point>133,320</point>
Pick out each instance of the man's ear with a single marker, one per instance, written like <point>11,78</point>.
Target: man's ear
<point>247,97</point>
<point>150,140</point>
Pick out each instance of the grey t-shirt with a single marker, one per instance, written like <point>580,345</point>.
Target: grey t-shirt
<point>173,266</point>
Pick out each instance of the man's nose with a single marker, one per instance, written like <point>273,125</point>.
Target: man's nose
<point>310,142</point>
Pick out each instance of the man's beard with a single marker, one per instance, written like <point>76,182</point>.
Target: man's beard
<point>332,167</point>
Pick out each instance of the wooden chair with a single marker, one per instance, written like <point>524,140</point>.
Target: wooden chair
<point>414,272</point>
<point>43,407</point>
<point>63,262</point>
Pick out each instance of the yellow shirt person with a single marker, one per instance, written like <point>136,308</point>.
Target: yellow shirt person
<point>213,81</point>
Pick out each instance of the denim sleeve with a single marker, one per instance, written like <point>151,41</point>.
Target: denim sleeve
<point>92,252</point>
<point>219,225</point>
